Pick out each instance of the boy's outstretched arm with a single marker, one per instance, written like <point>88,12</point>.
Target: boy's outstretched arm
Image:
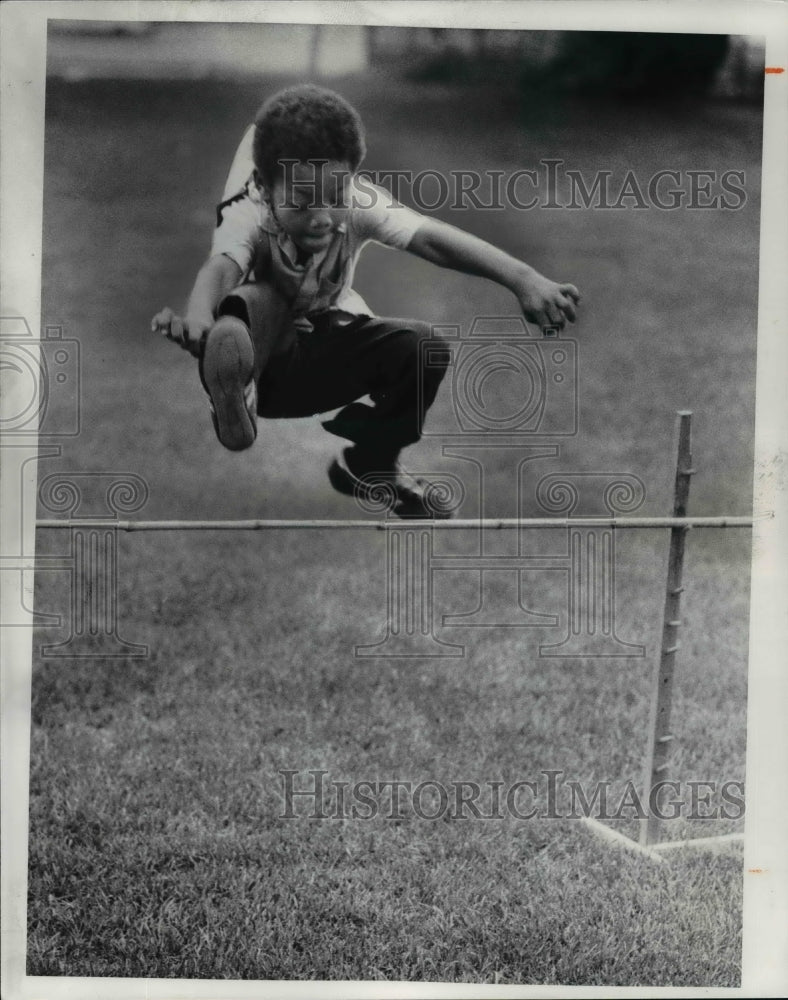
<point>542,301</point>
<point>218,276</point>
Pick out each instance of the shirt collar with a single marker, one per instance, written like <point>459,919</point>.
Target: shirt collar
<point>271,225</point>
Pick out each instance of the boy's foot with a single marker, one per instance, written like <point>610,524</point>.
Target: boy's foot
<point>393,489</point>
<point>228,373</point>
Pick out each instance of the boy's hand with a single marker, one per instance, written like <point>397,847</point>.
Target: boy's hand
<point>542,301</point>
<point>186,331</point>
<point>545,302</point>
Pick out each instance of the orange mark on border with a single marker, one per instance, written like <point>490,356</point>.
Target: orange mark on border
<point>755,871</point>
<point>774,69</point>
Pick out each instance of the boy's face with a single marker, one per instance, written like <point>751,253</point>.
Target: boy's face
<point>310,202</point>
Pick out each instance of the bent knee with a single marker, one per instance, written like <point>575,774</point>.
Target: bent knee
<point>254,299</point>
<point>262,308</point>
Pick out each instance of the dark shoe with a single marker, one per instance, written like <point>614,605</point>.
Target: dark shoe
<point>228,374</point>
<point>393,490</point>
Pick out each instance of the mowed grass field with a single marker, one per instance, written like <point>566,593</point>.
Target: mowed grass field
<point>157,843</point>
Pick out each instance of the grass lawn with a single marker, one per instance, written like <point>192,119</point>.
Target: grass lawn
<point>157,847</point>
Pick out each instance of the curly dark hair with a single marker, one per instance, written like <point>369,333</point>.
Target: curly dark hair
<point>306,123</point>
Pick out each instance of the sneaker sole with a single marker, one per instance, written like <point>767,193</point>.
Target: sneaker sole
<point>228,366</point>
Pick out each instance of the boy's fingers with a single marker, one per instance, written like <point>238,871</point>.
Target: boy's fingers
<point>164,324</point>
<point>177,330</point>
<point>554,316</point>
<point>161,320</point>
<point>569,310</point>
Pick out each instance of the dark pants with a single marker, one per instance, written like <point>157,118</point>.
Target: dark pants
<point>302,373</point>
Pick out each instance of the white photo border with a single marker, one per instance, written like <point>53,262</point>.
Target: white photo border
<point>23,70</point>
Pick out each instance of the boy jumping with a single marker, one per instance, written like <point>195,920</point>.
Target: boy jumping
<point>273,319</point>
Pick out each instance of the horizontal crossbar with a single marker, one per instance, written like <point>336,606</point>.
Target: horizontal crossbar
<point>378,525</point>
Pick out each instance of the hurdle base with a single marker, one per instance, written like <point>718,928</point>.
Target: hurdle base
<point>712,844</point>
<point>613,837</point>
<point>654,851</point>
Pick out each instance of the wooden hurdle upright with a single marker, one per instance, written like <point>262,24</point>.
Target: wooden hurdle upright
<point>660,736</point>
